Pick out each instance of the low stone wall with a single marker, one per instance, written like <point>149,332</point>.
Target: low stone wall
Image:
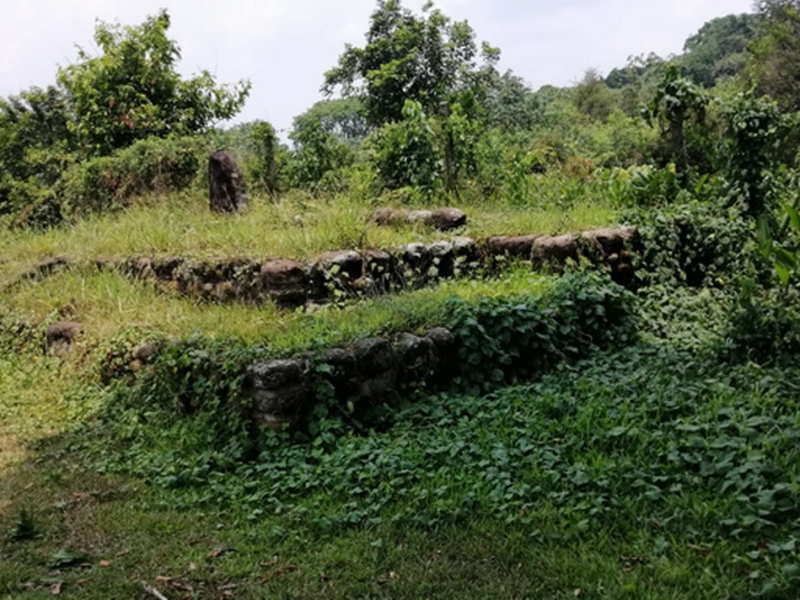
<point>443,219</point>
<point>347,273</point>
<point>369,372</point>
<point>42,270</point>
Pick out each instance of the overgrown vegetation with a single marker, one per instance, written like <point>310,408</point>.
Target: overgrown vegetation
<point>594,442</point>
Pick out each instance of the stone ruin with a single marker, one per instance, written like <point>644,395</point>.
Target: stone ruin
<point>60,337</point>
<point>367,373</point>
<point>349,274</point>
<point>227,190</point>
<point>443,219</point>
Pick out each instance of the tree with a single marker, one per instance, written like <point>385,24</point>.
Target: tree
<point>133,91</point>
<point>317,153</point>
<point>344,118</point>
<point>638,68</point>
<point>593,97</point>
<point>33,120</point>
<point>427,59</point>
<point>678,107</point>
<point>637,81</point>
<point>511,105</point>
<point>719,49</point>
<point>35,143</point>
<point>775,62</point>
<point>406,153</point>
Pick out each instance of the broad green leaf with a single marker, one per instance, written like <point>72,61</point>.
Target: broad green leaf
<point>783,273</point>
<point>764,236</point>
<point>786,258</point>
<point>794,217</point>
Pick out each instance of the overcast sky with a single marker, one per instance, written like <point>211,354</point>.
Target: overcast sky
<point>285,46</point>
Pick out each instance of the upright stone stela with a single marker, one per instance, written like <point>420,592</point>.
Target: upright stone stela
<point>227,190</point>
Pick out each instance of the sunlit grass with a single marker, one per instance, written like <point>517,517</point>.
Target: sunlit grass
<point>298,227</point>
<point>105,302</point>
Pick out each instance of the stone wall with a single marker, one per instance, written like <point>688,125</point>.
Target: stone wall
<point>347,273</point>
<point>369,372</point>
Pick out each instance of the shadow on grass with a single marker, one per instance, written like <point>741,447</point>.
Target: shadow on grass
<point>100,537</point>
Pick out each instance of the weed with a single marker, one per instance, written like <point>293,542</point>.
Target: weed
<point>25,529</point>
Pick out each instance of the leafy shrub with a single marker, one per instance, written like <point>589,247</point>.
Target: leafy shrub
<point>693,243</point>
<point>116,358</point>
<point>200,375</point>
<point>317,158</point>
<point>504,340</point>
<point>644,186</point>
<point>611,445</point>
<point>689,318</point>
<point>620,141</point>
<point>35,207</point>
<point>460,135</point>
<point>765,327</point>
<point>752,128</point>
<point>678,108</point>
<point>185,417</point>
<point>406,154</point>
<point>151,165</point>
<point>28,190</point>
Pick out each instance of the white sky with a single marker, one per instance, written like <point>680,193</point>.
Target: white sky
<point>285,46</point>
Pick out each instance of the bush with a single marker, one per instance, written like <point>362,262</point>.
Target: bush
<point>317,159</point>
<point>406,154</point>
<point>693,243</point>
<point>504,340</point>
<point>644,186</point>
<point>752,127</point>
<point>116,359</point>
<point>151,165</point>
<point>188,403</point>
<point>765,327</point>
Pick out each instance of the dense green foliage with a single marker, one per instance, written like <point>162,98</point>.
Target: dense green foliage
<point>678,108</point>
<point>344,118</point>
<point>429,59</point>
<point>693,243</point>
<point>776,54</point>
<point>406,154</point>
<point>719,49</point>
<point>506,341</point>
<point>694,445</point>
<point>132,92</point>
<point>582,417</point>
<point>420,112</point>
<point>150,165</point>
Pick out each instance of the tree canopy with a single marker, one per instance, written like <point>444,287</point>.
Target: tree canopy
<point>509,104</point>
<point>426,58</point>
<point>128,93</point>
<point>133,91</point>
<point>343,118</point>
<point>719,49</point>
<point>776,54</point>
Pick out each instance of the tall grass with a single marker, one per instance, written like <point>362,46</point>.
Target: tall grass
<point>105,302</point>
<point>297,227</point>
